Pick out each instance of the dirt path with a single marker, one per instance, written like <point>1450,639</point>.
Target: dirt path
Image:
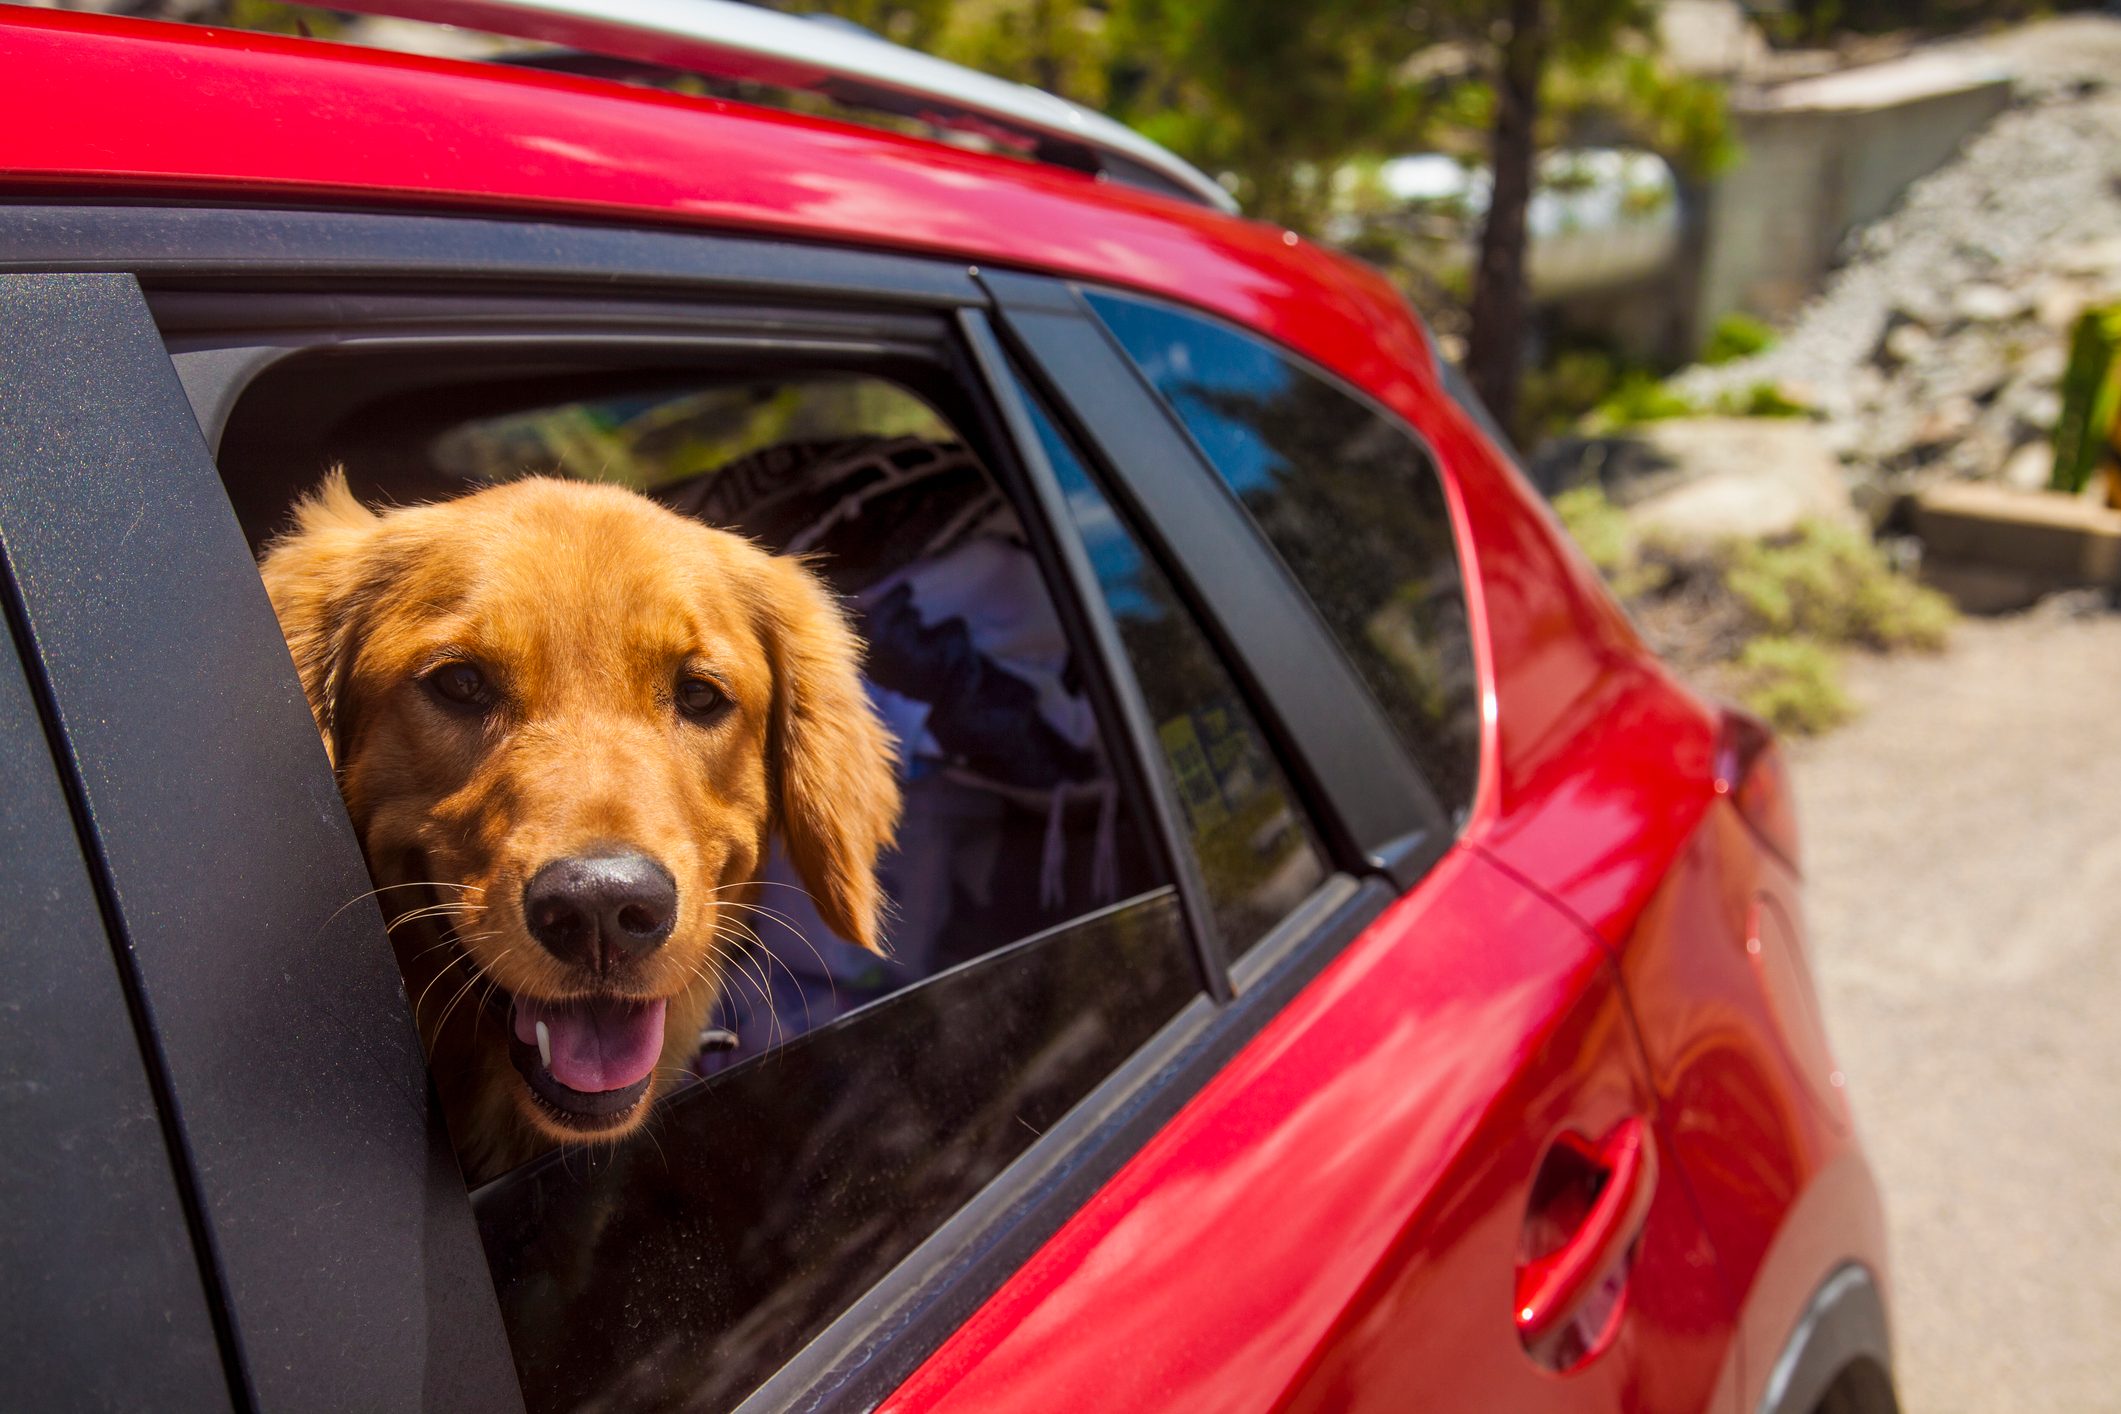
<point>1963,851</point>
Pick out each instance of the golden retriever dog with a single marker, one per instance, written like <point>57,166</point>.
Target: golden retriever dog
<point>567,723</point>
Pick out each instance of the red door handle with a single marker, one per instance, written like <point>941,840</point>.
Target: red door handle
<point>1551,1287</point>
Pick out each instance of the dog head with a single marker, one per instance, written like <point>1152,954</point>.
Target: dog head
<point>567,722</point>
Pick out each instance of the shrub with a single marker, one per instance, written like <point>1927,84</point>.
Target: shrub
<point>1833,584</point>
<point>1762,621</point>
<point>1793,683</point>
<point>1760,400</point>
<point>1609,541</point>
<point>1737,336</point>
<point>1639,398</point>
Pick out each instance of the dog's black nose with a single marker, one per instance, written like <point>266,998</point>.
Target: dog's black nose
<point>601,910</point>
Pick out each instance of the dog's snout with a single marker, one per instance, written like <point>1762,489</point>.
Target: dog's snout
<point>601,910</point>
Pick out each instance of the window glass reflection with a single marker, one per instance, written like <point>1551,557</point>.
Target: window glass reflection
<point>1256,850</point>
<point>1353,505</point>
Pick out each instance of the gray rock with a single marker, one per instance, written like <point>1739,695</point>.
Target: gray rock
<point>1946,421</point>
<point>2044,364</point>
<point>2040,410</point>
<point>2059,301</point>
<point>1736,478</point>
<point>1938,346</point>
<point>2030,466</point>
<point>2029,209</point>
<point>2099,258</point>
<point>1905,342</point>
<point>1987,304</point>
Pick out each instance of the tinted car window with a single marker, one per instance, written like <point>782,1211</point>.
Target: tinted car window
<point>1257,852</point>
<point>684,1268</point>
<point>1352,503</point>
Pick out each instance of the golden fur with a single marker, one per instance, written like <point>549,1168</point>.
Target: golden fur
<point>583,605</point>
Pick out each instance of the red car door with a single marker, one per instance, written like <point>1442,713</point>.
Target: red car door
<point>1352,1215</point>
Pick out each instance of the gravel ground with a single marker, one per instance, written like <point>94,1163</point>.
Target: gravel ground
<point>1963,847</point>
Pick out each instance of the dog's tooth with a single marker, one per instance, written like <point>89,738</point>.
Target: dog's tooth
<point>544,1046</point>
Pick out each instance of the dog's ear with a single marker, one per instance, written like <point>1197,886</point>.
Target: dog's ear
<point>835,781</point>
<point>321,577</point>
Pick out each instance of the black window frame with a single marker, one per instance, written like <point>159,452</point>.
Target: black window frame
<point>1382,843</point>
<point>78,1099</point>
<point>1305,367</point>
<point>1377,807</point>
<point>283,1050</point>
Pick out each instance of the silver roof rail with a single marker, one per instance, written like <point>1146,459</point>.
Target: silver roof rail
<point>722,39</point>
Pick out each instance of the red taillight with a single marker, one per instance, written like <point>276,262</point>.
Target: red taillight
<point>1750,773</point>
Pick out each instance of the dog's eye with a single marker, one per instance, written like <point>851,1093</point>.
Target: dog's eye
<point>700,699</point>
<point>461,684</point>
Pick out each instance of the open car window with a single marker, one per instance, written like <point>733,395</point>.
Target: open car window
<point>1013,821</point>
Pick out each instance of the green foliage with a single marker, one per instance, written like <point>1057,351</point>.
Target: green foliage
<point>1626,92</point>
<point>1609,541</point>
<point>1793,683</point>
<point>1831,584</point>
<point>1763,622</point>
<point>1760,400</point>
<point>1598,527</point>
<point>1640,397</point>
<point>918,23</point>
<point>1558,393</point>
<point>272,17</point>
<point>1737,335</point>
<point>1275,99</point>
<point>2088,433</point>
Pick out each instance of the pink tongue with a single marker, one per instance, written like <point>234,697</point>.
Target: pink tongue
<point>596,1046</point>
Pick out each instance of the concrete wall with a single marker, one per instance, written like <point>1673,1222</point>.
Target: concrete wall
<point>1823,156</point>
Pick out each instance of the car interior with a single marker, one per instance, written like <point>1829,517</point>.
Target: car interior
<point>1013,821</point>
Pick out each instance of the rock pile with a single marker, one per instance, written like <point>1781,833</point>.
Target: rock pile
<point>1937,347</point>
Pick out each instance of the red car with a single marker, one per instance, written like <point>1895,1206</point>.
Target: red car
<point>1339,968</point>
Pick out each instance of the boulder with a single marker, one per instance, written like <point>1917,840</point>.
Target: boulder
<point>1987,304</point>
<point>1726,478</point>
<point>2099,258</point>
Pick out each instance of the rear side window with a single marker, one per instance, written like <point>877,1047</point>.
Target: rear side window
<point>1257,853</point>
<point>1351,501</point>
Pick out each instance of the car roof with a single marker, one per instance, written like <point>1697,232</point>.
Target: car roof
<point>98,105</point>
<point>817,54</point>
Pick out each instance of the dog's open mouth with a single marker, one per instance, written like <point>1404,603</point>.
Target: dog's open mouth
<point>589,1062</point>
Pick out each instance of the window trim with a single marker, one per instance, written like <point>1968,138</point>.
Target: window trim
<point>1377,808</point>
<point>217,370</point>
<point>262,246</point>
<point>1406,853</point>
<point>124,554</point>
<point>1136,734</point>
<point>70,1115</point>
<point>222,341</point>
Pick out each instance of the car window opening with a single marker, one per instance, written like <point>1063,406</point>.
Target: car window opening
<point>1034,941</point>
